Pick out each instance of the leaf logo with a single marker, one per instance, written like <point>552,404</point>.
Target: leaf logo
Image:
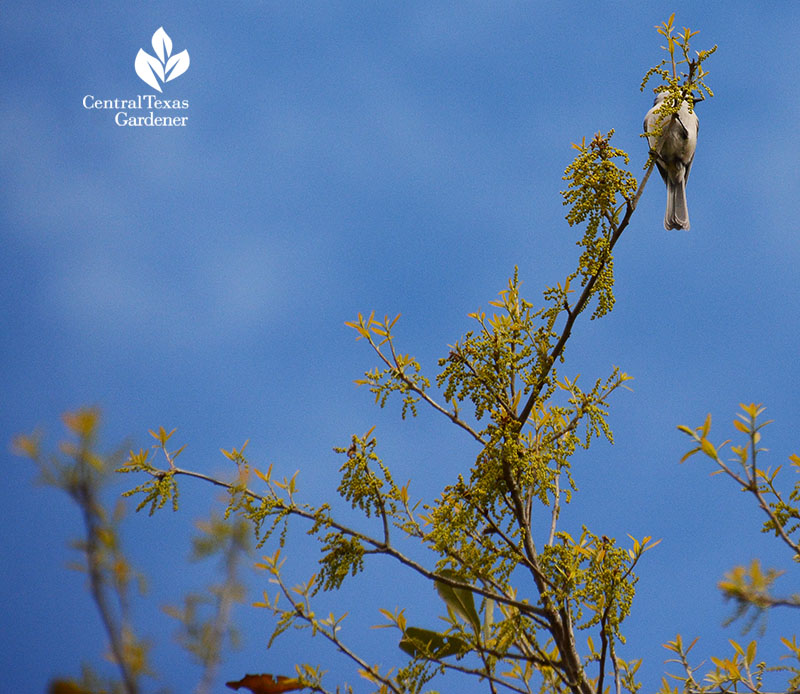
<point>164,67</point>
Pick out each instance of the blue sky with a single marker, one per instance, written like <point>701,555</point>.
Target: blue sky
<point>345,157</point>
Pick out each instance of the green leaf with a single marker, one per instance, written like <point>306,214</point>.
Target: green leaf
<point>488,619</point>
<point>460,600</point>
<point>421,643</point>
<point>689,454</point>
<point>741,426</point>
<point>708,448</point>
<point>706,426</point>
<point>751,654</point>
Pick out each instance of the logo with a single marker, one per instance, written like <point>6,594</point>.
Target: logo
<point>164,67</point>
<point>148,110</point>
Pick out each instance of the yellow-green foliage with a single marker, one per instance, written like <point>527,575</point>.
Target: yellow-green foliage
<point>595,193</point>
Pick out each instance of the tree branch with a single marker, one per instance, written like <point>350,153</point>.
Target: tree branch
<point>581,303</point>
<point>380,546</point>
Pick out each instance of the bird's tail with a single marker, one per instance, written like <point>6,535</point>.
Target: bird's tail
<point>677,214</point>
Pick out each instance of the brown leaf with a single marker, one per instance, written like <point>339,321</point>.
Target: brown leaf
<point>267,684</point>
<point>66,687</point>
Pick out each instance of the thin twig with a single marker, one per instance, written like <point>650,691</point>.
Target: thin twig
<point>225,600</point>
<point>478,673</point>
<point>84,495</point>
<point>752,486</point>
<point>556,508</point>
<point>319,629</point>
<point>452,416</point>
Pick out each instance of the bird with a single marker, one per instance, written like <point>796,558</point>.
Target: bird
<point>673,152</point>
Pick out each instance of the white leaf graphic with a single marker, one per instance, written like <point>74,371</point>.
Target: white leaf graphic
<point>149,69</point>
<point>177,65</point>
<point>162,45</point>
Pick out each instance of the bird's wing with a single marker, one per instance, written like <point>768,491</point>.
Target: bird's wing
<point>696,131</point>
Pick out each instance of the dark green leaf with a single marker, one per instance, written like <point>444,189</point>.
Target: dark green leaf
<point>460,600</point>
<point>419,642</point>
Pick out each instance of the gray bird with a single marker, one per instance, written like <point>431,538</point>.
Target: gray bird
<point>674,152</point>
